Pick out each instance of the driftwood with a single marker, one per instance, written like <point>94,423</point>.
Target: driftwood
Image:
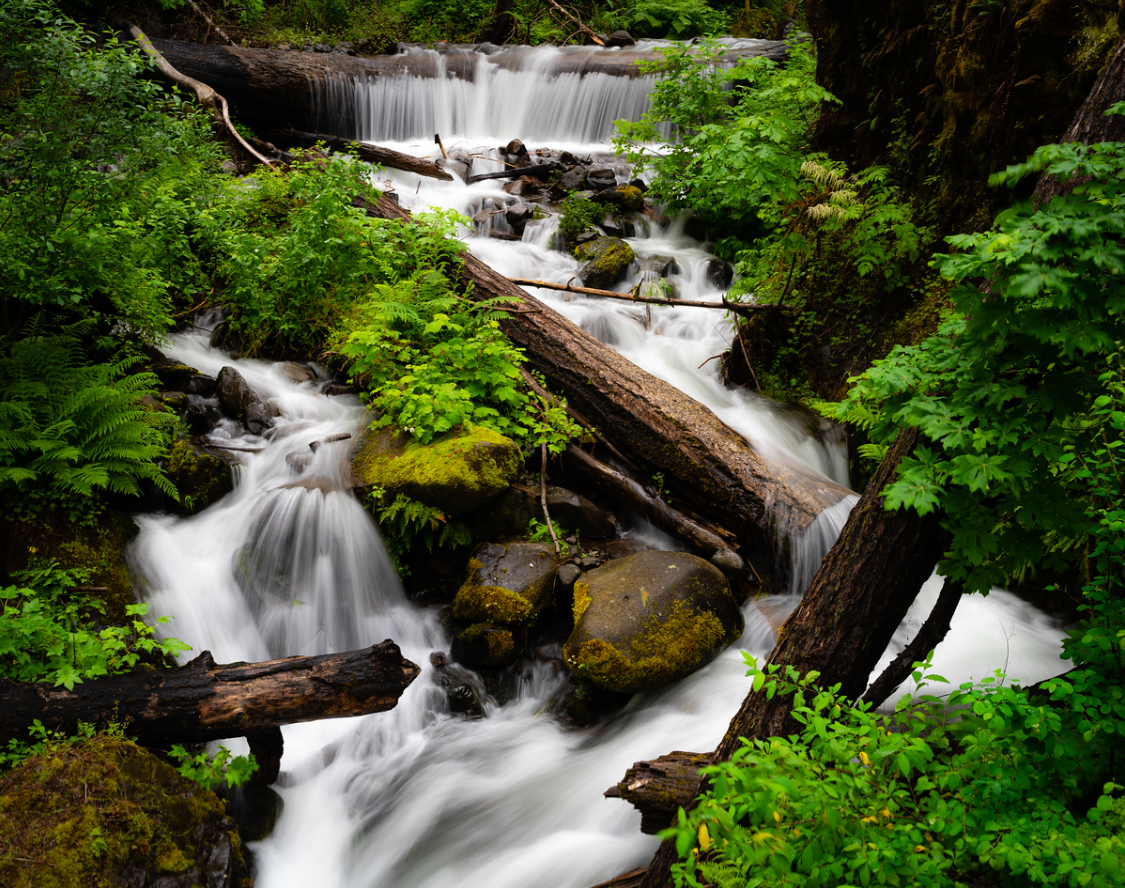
<point>708,464</point>
<point>659,788</point>
<point>516,172</point>
<point>207,96</point>
<point>203,700</point>
<point>725,305</point>
<point>858,598</point>
<point>396,160</point>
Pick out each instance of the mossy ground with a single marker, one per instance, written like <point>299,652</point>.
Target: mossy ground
<point>97,813</point>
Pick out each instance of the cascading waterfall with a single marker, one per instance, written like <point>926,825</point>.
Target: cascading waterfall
<point>290,564</point>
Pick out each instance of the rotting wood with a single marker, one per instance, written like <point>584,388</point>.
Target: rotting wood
<point>726,305</point>
<point>662,429</point>
<point>516,172</point>
<point>846,619</point>
<point>206,95</point>
<point>659,788</point>
<point>396,160</point>
<point>204,700</point>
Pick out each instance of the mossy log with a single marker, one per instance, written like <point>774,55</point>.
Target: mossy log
<point>659,788</point>
<point>707,463</point>
<point>385,157</point>
<point>856,601</point>
<point>204,700</point>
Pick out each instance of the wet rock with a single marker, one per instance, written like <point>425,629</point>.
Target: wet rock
<point>578,513</point>
<point>602,177</point>
<point>663,266</point>
<point>463,690</point>
<point>729,562</point>
<point>483,645</point>
<point>719,273</point>
<point>200,415</point>
<point>298,460</point>
<point>197,474</point>
<point>508,515</point>
<point>573,179</point>
<point>648,620</point>
<point>174,375</point>
<point>619,39</point>
<point>518,215</point>
<point>298,373</point>
<point>174,401</point>
<point>654,287</point>
<point>456,472</point>
<point>336,388</point>
<point>567,576</point>
<point>255,808</point>
<point>607,261</point>
<point>239,401</point>
<point>639,184</point>
<point>506,584</point>
<point>515,148</point>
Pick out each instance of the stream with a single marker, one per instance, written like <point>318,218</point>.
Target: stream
<point>418,797</point>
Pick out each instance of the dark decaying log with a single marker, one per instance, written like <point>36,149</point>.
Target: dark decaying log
<point>858,598</point>
<point>659,788</point>
<point>708,464</point>
<point>203,700</point>
<point>385,157</point>
<point>538,169</point>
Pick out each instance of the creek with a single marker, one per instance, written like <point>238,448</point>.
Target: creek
<point>417,796</point>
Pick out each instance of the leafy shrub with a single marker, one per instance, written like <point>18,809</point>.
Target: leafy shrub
<point>214,769</point>
<point>576,214</point>
<point>678,19</point>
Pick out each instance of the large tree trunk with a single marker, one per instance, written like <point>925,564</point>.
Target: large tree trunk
<point>709,465</point>
<point>203,700</point>
<point>858,598</point>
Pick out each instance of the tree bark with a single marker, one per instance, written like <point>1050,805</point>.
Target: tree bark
<point>858,598</point>
<point>203,700</point>
<point>385,157</point>
<point>707,463</point>
<point>659,788</point>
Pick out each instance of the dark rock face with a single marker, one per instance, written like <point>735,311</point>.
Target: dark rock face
<point>573,179</point>
<point>518,215</point>
<point>720,273</point>
<point>198,473</point>
<point>602,177</point>
<point>607,261</point>
<point>648,620</point>
<point>240,401</point>
<point>578,513</point>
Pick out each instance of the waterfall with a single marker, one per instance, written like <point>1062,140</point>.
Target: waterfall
<point>418,797</point>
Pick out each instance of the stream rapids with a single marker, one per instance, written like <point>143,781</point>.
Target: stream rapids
<point>418,797</point>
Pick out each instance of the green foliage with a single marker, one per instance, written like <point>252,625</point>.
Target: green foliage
<point>677,19</point>
<point>405,522</point>
<point>576,214</point>
<point>67,427</point>
<point>1008,393</point>
<point>458,22</point>
<point>211,770</point>
<point>47,632</point>
<point>99,174</point>
<point>538,532</point>
<point>847,801</point>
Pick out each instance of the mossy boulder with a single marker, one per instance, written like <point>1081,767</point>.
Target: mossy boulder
<point>200,477</point>
<point>507,583</point>
<point>484,645</point>
<point>650,619</point>
<point>104,813</point>
<point>607,261</point>
<point>632,198</point>
<point>456,472</point>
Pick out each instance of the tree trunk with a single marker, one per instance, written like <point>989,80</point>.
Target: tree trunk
<point>858,598</point>
<point>709,465</point>
<point>203,700</point>
<point>658,789</point>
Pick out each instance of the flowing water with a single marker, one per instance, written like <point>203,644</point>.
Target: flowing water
<point>290,564</point>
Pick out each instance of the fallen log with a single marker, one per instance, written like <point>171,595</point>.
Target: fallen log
<point>514,173</point>
<point>631,879</point>
<point>385,157</point>
<point>708,464</point>
<point>735,307</point>
<point>204,700</point>
<point>659,788</point>
<point>856,601</point>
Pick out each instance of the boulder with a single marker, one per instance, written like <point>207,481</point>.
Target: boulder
<point>239,401</point>
<point>578,513</point>
<point>507,583</point>
<point>574,179</point>
<point>488,646</point>
<point>518,215</point>
<point>719,274</point>
<point>661,266</point>
<point>456,472</point>
<point>619,39</point>
<point>200,477</point>
<point>607,261</point>
<point>650,619</point>
<point>602,177</point>
<point>106,812</point>
<point>515,148</point>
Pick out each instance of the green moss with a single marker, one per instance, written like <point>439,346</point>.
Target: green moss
<point>581,599</point>
<point>491,645</point>
<point>634,199</point>
<point>607,255</point>
<point>493,603</point>
<point>455,472</point>
<point>200,477</point>
<point>662,652</point>
<point>93,814</point>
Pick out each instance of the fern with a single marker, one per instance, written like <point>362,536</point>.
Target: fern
<point>75,427</point>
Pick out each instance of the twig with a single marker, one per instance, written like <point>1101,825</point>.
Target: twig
<point>736,307</point>
<point>746,355</point>
<point>437,141</point>
<point>543,496</point>
<point>210,23</point>
<point>581,27</point>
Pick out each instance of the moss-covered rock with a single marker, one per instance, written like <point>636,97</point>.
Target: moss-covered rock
<point>200,477</point>
<point>633,199</point>
<point>105,813</point>
<point>506,584</point>
<point>607,261</point>
<point>456,472</point>
<point>650,619</point>
<point>488,646</point>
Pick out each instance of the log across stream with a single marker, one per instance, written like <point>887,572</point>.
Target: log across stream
<point>418,796</point>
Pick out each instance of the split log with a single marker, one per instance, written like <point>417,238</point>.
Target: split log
<point>857,600</point>
<point>735,307</point>
<point>385,157</point>
<point>659,788</point>
<point>708,464</point>
<point>203,700</point>
<point>537,169</point>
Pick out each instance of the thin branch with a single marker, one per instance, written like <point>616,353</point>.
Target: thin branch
<point>725,305</point>
<point>581,27</point>
<point>543,496</point>
<point>210,23</point>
